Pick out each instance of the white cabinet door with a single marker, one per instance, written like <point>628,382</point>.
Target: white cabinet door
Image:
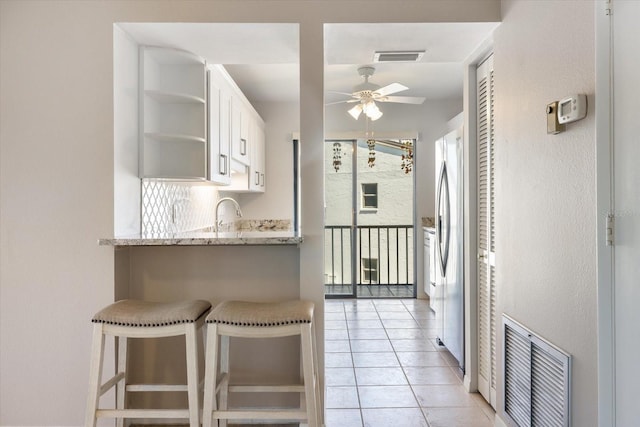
<point>239,133</point>
<point>173,114</point>
<point>219,102</point>
<point>257,168</point>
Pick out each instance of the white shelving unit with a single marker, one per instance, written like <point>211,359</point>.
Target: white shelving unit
<point>173,114</point>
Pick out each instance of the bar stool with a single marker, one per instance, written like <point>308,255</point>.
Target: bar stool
<point>143,319</point>
<point>259,320</point>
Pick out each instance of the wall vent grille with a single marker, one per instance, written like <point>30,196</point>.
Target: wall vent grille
<point>537,378</point>
<point>398,56</point>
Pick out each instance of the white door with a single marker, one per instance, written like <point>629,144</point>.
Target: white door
<point>486,233</point>
<point>626,208</point>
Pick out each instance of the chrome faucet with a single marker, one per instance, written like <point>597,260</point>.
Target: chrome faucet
<point>238,211</point>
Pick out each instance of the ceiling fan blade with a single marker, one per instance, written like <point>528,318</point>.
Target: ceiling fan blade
<point>348,101</point>
<point>340,93</point>
<point>389,89</point>
<point>403,99</point>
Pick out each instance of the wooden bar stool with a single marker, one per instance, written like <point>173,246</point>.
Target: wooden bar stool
<point>259,320</point>
<point>142,319</point>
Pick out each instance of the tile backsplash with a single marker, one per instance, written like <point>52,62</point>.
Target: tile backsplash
<point>175,207</point>
<point>170,207</point>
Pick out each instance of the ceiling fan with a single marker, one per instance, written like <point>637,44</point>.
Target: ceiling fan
<point>366,94</point>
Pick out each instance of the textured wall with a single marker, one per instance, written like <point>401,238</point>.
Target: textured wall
<point>545,184</point>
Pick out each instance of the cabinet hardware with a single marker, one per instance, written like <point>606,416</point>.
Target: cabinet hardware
<point>223,164</point>
<point>243,147</point>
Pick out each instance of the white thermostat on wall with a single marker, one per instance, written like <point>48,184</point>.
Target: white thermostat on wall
<point>572,108</point>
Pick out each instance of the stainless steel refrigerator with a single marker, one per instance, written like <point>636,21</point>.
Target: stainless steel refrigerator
<point>449,244</point>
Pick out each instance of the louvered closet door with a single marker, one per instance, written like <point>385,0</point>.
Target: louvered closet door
<point>486,228</point>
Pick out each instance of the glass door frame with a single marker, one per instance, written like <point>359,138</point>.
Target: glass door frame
<point>353,233</point>
<point>354,255</point>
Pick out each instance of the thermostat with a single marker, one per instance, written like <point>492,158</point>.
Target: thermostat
<point>572,108</point>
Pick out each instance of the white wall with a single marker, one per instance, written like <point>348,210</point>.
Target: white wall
<point>56,172</point>
<point>281,120</point>
<point>125,134</point>
<point>545,184</point>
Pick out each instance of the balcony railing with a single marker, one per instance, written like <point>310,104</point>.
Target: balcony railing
<point>384,254</point>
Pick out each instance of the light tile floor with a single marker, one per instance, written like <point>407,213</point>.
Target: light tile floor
<point>384,369</point>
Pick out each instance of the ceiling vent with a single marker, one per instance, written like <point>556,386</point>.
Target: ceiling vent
<point>398,56</point>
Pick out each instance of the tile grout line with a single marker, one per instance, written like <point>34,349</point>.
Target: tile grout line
<point>421,327</point>
<point>424,416</point>
<point>353,367</point>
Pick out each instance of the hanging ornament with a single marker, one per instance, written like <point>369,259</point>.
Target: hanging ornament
<point>371,143</point>
<point>407,157</point>
<point>337,156</point>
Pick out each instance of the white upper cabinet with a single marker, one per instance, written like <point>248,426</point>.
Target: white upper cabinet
<point>219,127</point>
<point>240,118</point>
<point>257,167</point>
<point>253,178</point>
<point>173,114</point>
<point>196,124</point>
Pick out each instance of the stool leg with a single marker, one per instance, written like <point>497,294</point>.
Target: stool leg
<point>191,339</point>
<point>210,374</point>
<point>95,375</point>
<point>314,352</point>
<point>121,366</point>
<point>309,380</point>
<point>224,374</point>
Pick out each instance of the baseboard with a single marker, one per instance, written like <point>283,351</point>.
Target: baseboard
<point>499,422</point>
<point>467,384</point>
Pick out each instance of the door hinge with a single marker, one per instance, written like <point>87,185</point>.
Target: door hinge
<point>608,8</point>
<point>610,229</point>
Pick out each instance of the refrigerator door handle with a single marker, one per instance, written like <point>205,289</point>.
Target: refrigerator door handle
<point>443,220</point>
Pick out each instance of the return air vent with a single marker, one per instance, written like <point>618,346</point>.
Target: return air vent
<point>398,56</point>
<point>537,378</point>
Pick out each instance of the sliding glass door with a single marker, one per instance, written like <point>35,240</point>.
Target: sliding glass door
<point>369,204</point>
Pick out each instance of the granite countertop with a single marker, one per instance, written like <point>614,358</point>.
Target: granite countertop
<point>255,238</point>
<point>428,221</point>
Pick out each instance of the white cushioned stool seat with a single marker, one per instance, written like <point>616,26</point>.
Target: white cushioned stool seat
<point>257,314</point>
<point>144,319</point>
<point>138,313</point>
<point>259,320</point>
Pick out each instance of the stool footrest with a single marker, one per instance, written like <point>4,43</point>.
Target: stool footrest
<point>156,387</point>
<point>113,381</point>
<point>288,388</point>
<point>143,413</point>
<point>261,414</point>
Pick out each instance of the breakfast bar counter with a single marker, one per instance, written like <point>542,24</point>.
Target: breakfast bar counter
<point>227,238</point>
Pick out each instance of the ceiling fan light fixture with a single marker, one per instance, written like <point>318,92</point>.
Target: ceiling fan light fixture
<point>374,114</point>
<point>368,107</point>
<point>355,111</point>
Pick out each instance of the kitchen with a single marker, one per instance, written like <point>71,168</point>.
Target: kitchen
<point>151,272</point>
<point>80,100</point>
